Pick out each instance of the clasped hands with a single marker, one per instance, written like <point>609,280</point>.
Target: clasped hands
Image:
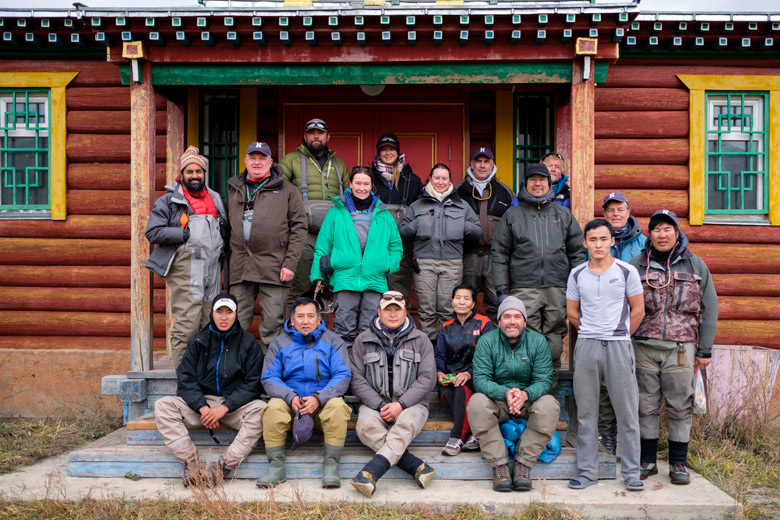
<point>516,398</point>
<point>307,405</point>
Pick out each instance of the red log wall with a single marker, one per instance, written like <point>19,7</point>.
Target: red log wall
<point>642,149</point>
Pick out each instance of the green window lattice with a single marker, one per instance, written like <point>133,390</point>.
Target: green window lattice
<point>736,153</point>
<point>219,136</point>
<point>24,150</point>
<point>534,124</point>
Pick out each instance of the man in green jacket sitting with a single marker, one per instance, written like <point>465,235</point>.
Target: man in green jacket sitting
<point>318,174</point>
<point>513,377</point>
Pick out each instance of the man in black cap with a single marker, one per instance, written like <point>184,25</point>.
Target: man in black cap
<point>676,335</point>
<point>318,174</point>
<point>490,199</point>
<point>535,246</point>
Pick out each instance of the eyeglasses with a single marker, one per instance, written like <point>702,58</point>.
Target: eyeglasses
<point>559,156</point>
<point>393,297</point>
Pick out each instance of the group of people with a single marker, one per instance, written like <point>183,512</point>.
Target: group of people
<point>645,310</point>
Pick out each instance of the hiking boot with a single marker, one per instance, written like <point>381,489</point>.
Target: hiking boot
<point>522,478</point>
<point>330,466</point>
<point>276,471</point>
<point>471,444</point>
<point>453,447</point>
<point>501,480</point>
<point>647,469</point>
<point>423,475</point>
<point>610,443</point>
<point>364,482</point>
<point>679,474</point>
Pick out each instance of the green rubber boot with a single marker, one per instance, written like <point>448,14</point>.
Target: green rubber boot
<point>275,474</point>
<point>330,466</point>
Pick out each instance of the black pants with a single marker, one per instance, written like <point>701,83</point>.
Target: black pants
<point>455,398</point>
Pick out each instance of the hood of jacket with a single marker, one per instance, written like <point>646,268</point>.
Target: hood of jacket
<point>680,251</point>
<point>558,186</point>
<point>526,198</point>
<point>300,337</point>
<point>629,230</point>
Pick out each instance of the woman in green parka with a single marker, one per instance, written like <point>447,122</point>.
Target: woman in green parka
<point>358,246</point>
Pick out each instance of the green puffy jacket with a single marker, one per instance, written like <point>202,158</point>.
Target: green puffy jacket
<point>353,270</point>
<point>321,183</point>
<point>498,367</point>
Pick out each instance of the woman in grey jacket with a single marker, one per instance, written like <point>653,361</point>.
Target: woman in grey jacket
<point>438,223</point>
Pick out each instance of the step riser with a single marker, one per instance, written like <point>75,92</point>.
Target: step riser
<point>451,468</point>
<point>225,437</point>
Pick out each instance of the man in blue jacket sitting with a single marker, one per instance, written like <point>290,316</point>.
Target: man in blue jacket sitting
<point>307,370</point>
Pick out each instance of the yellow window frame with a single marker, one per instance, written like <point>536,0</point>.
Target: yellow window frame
<point>698,86</point>
<point>58,133</point>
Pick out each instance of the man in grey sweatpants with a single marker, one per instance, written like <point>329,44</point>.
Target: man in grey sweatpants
<point>604,300</point>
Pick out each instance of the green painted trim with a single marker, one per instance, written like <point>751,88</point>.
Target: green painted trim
<point>600,73</point>
<point>209,74</point>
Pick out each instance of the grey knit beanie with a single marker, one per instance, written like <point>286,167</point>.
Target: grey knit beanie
<point>512,303</point>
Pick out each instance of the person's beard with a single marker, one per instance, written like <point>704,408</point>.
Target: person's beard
<point>316,147</point>
<point>194,185</point>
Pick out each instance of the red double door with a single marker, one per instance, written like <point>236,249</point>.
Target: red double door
<point>429,133</point>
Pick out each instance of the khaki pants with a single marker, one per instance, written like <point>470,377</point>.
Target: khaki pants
<point>659,375</point>
<point>485,415</point>
<point>390,439</point>
<point>174,417</point>
<point>271,308</point>
<point>331,419</point>
<point>434,283</point>
<point>546,308</point>
<point>478,273</point>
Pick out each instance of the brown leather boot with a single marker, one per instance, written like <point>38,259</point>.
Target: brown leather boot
<point>501,480</point>
<point>522,479</point>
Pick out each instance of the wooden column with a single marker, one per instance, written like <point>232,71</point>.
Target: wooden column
<point>173,150</point>
<point>582,141</point>
<point>142,132</point>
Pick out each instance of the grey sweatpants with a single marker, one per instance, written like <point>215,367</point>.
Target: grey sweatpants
<point>546,308</point>
<point>174,418</point>
<point>354,312</point>
<point>390,439</point>
<point>434,284</point>
<point>478,273</point>
<point>613,362</point>
<point>659,375</point>
<point>485,415</point>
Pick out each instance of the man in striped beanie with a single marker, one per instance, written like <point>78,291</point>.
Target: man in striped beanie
<point>188,226</point>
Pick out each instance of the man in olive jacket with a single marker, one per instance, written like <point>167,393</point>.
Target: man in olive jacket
<point>318,174</point>
<point>513,377</point>
<point>268,229</point>
<point>535,246</point>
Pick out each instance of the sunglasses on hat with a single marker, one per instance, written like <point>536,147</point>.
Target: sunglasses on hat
<point>393,297</point>
<point>559,156</point>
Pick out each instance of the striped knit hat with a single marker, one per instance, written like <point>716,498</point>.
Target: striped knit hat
<point>191,156</point>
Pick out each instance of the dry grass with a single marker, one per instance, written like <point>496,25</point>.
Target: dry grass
<point>25,441</point>
<point>268,510</point>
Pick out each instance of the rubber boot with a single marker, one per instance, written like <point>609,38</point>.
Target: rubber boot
<point>330,466</point>
<point>276,474</point>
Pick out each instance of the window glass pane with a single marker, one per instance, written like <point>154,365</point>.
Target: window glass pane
<point>24,151</point>
<point>534,131</point>
<point>219,136</point>
<point>736,148</point>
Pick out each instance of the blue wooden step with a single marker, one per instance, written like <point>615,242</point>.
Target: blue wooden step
<point>306,463</point>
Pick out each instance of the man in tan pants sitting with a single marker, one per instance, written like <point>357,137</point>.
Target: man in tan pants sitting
<point>393,370</point>
<point>218,381</point>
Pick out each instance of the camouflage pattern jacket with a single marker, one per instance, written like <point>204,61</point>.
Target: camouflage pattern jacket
<point>683,311</point>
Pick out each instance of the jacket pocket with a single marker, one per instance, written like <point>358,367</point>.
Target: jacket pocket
<point>652,296</point>
<point>687,293</point>
<point>409,359</point>
<point>426,225</point>
<point>372,360</point>
<point>454,225</point>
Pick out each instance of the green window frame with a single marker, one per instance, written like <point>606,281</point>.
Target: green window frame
<point>736,153</point>
<point>534,130</point>
<point>25,152</point>
<point>219,136</point>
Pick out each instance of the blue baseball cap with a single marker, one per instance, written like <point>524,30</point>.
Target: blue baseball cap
<point>259,147</point>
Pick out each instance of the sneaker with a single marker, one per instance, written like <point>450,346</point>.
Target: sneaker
<point>471,444</point>
<point>647,469</point>
<point>424,475</point>
<point>364,482</point>
<point>679,474</point>
<point>610,443</point>
<point>522,479</point>
<point>501,480</point>
<point>453,447</point>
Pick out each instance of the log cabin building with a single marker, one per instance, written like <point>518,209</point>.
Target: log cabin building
<point>679,111</point>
